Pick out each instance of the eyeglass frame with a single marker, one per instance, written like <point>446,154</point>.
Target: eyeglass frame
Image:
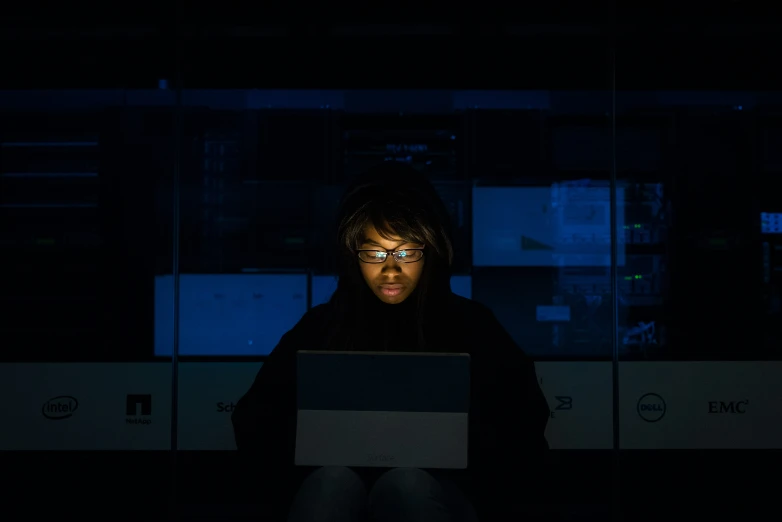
<point>389,252</point>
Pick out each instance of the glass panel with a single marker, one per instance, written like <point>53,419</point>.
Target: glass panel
<point>525,173</point>
<point>86,161</point>
<point>699,319</point>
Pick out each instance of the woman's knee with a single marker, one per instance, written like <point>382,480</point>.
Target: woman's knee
<point>332,479</point>
<point>329,494</point>
<point>404,485</point>
<point>416,495</point>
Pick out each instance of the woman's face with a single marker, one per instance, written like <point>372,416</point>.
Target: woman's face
<point>392,282</point>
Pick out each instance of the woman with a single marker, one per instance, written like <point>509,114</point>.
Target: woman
<point>394,257</point>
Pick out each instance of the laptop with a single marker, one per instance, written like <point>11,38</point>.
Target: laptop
<point>382,409</point>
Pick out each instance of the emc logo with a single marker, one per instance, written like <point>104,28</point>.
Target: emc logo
<point>728,407</point>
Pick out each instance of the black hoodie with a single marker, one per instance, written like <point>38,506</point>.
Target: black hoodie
<point>507,419</point>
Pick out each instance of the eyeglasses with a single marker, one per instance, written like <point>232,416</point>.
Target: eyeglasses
<point>408,255</point>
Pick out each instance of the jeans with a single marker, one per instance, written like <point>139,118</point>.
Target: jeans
<point>338,494</point>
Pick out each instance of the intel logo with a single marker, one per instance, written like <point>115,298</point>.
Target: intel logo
<point>651,407</point>
<point>59,408</point>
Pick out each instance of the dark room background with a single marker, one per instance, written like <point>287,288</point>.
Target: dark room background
<point>166,207</point>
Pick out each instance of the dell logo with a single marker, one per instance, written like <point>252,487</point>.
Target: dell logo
<point>58,408</point>
<point>651,407</point>
<point>728,407</point>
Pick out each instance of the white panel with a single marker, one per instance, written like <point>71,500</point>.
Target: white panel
<point>208,393</point>
<point>462,285</point>
<point>86,406</point>
<point>323,287</point>
<point>228,314</point>
<point>700,405</point>
<point>580,396</point>
<point>560,225</point>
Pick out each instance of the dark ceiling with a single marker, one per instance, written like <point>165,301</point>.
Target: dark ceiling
<point>729,46</point>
